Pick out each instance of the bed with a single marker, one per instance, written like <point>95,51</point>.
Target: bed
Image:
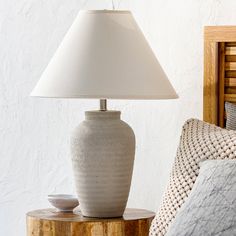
<point>219,72</point>
<point>214,147</point>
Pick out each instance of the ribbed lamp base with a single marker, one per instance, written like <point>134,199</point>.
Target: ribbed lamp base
<point>103,148</point>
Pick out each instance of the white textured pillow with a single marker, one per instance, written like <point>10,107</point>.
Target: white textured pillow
<point>211,206</point>
<point>199,141</point>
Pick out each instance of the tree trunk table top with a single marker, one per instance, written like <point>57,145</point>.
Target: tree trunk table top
<point>49,222</point>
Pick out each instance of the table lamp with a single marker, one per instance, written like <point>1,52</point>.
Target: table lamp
<point>104,56</point>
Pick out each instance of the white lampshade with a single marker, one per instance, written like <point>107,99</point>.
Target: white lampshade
<point>104,55</point>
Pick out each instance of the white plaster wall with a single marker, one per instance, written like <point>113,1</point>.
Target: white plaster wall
<point>34,133</point>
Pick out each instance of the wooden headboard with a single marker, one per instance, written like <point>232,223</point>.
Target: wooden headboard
<point>219,72</point>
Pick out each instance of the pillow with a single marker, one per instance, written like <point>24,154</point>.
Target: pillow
<point>230,109</point>
<point>211,206</point>
<point>199,141</point>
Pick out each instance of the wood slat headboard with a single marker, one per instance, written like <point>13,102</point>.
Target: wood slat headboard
<point>219,72</point>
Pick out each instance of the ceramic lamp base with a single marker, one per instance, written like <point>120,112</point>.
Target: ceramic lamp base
<point>103,148</point>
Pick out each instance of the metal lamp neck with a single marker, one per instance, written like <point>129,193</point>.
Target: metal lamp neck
<point>103,105</point>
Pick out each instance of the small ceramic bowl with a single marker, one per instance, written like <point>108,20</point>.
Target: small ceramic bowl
<point>63,202</point>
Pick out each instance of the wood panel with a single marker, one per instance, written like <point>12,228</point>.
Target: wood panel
<point>219,72</point>
<point>230,50</point>
<point>229,58</point>
<point>230,97</point>
<point>231,73</point>
<point>230,90</point>
<point>220,34</point>
<point>221,76</point>
<point>230,65</point>
<point>230,82</point>
<point>210,92</point>
<point>231,43</point>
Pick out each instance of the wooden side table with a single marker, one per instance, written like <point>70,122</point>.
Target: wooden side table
<point>49,222</point>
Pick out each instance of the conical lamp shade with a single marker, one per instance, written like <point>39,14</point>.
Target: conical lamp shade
<point>104,55</point>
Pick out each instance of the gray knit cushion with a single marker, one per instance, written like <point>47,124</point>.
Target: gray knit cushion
<point>230,109</point>
<point>199,141</point>
<point>211,206</point>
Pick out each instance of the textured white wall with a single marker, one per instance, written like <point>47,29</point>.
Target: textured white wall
<point>34,133</point>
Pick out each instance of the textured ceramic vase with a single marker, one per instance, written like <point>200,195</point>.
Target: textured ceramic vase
<point>103,148</point>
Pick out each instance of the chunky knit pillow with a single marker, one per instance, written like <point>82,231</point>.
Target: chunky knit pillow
<point>199,141</point>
